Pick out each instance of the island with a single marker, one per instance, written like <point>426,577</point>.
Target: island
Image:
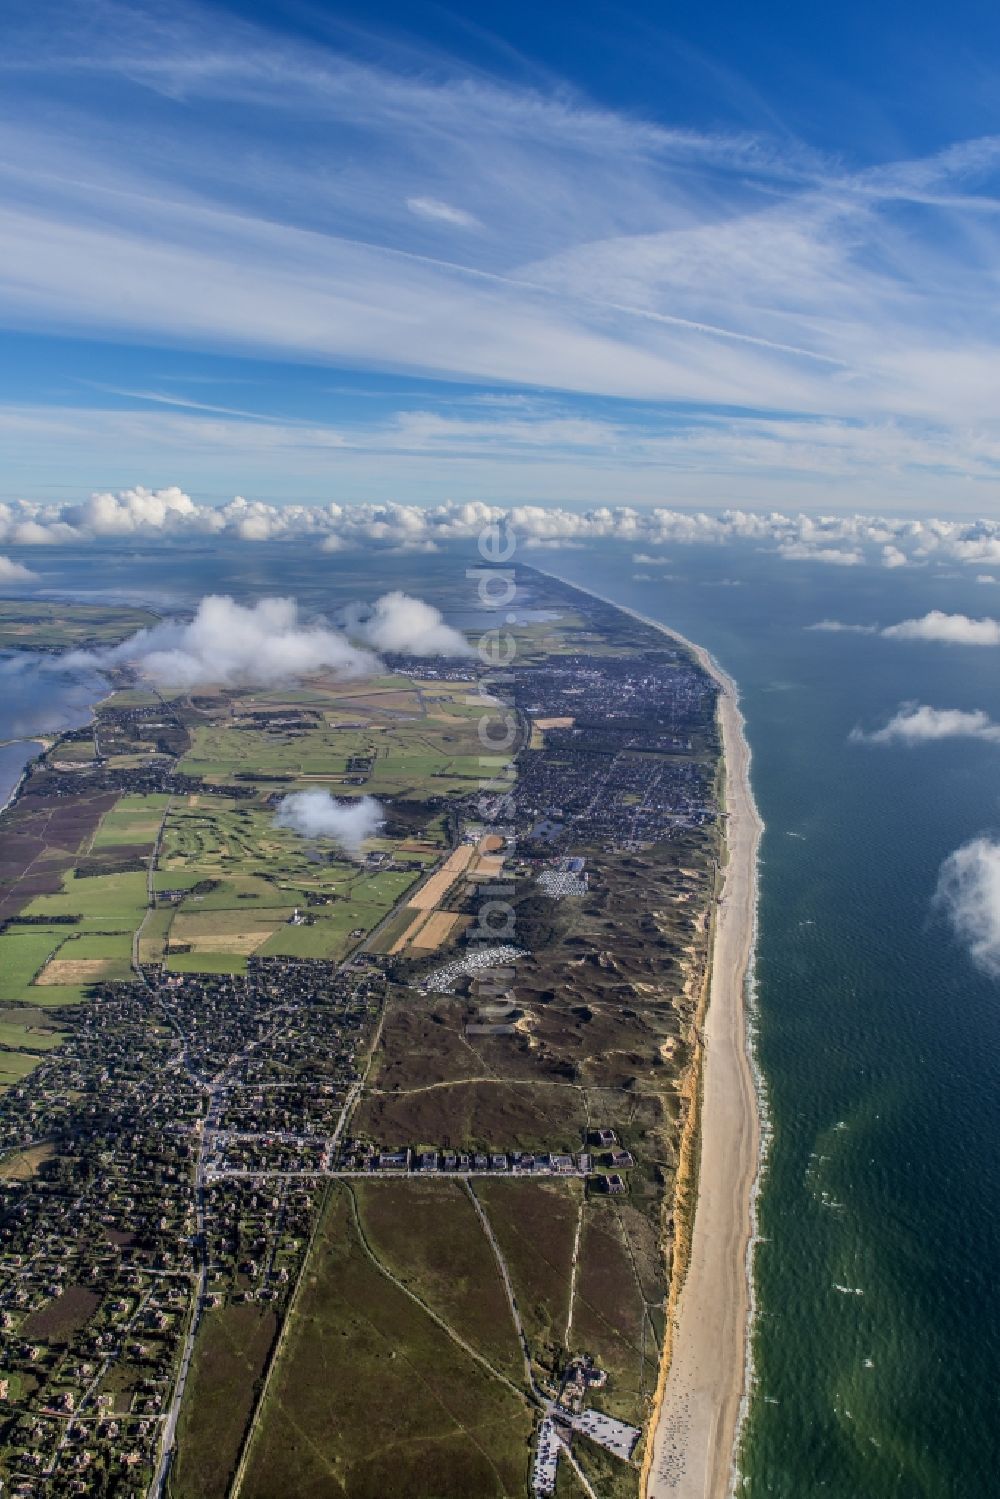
<point>53,627</point>
<point>373,1170</point>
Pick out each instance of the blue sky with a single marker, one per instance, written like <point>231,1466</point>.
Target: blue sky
<point>571,253</point>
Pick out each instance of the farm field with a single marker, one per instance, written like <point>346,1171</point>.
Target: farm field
<point>246,879</point>
<point>98,943</point>
<point>440,883</point>
<point>15,1065</point>
<point>43,838</point>
<point>153,941</point>
<point>25,1029</point>
<point>24,951</point>
<point>134,820</point>
<point>439,926</point>
<point>244,876</point>
<point>33,624</point>
<point>413,737</point>
<point>97,899</point>
<point>427,927</point>
<point>36,962</point>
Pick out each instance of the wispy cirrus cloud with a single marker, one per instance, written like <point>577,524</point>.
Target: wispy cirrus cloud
<point>206,181</point>
<point>442,213</point>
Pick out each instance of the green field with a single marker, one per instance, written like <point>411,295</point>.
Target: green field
<point>95,899</point>
<point>206,962</point>
<point>421,738</point>
<point>30,624</point>
<point>23,951</point>
<point>244,875</point>
<point>329,937</point>
<point>252,876</point>
<point>26,1036</point>
<point>154,935</point>
<point>109,908</point>
<point>14,1065</point>
<point>135,819</point>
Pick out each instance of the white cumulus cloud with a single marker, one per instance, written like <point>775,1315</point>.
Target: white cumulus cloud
<point>228,643</point>
<point>950,629</point>
<point>916,723</point>
<point>317,814</point>
<point>801,551</point>
<point>968,892</point>
<point>169,514</point>
<point>15,572</point>
<point>399,622</point>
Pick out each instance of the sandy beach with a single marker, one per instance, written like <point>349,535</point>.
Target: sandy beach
<point>699,1412</point>
<point>699,1400</point>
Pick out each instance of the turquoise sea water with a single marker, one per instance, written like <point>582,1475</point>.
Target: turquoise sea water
<point>877,1341</point>
<point>878,1332</point>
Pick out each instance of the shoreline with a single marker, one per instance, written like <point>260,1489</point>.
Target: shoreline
<point>9,797</point>
<point>705,1375</point>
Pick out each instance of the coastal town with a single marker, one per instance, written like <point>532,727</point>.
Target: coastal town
<point>242,1045</point>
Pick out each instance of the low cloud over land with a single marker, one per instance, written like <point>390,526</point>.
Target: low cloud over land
<point>399,622</point>
<point>231,644</point>
<point>916,723</point>
<point>968,892</point>
<point>15,572</point>
<point>266,644</point>
<point>316,814</point>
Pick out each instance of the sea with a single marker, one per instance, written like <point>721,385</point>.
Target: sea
<point>876,1340</point>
